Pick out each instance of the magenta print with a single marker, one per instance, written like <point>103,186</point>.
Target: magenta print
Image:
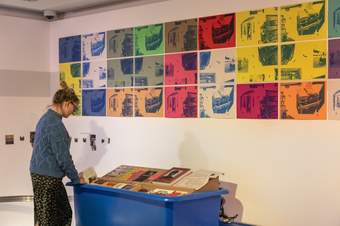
<point>257,101</point>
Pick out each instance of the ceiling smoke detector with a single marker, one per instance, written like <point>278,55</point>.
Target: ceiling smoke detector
<point>50,14</point>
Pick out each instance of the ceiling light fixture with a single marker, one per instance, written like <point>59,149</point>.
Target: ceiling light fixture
<point>30,0</point>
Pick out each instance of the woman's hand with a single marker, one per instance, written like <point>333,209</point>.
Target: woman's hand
<point>82,179</point>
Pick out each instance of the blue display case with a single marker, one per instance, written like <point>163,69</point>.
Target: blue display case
<point>104,206</point>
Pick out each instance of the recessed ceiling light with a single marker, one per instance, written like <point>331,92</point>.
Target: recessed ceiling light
<point>29,0</point>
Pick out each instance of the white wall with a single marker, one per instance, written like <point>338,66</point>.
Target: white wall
<point>286,171</point>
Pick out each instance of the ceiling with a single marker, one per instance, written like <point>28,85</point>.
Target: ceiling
<point>64,8</point>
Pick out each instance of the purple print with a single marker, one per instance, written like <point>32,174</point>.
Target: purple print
<point>334,58</point>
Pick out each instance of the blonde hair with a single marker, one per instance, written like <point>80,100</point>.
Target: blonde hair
<point>65,94</point>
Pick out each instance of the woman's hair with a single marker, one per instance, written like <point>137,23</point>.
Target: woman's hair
<point>65,94</point>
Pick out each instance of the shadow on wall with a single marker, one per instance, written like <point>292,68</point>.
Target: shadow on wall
<point>190,153</point>
<point>89,157</point>
<point>192,156</point>
<point>232,205</point>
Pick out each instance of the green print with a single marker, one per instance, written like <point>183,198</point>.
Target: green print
<point>149,40</point>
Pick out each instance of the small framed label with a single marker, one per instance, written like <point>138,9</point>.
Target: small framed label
<point>9,139</point>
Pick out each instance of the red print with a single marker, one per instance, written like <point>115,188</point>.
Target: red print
<point>217,31</point>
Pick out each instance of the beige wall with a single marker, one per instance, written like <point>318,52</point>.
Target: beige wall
<point>24,95</point>
<point>24,44</point>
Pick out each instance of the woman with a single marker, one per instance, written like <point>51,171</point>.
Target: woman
<point>51,161</point>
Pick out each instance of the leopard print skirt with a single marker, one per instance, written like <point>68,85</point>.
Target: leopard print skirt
<point>51,205</point>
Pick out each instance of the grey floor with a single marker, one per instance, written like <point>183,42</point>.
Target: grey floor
<point>18,214</point>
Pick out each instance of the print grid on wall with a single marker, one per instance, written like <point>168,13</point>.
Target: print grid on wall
<point>273,63</point>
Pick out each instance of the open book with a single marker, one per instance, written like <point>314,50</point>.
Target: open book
<point>135,173</point>
<point>197,179</point>
<point>171,176</point>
